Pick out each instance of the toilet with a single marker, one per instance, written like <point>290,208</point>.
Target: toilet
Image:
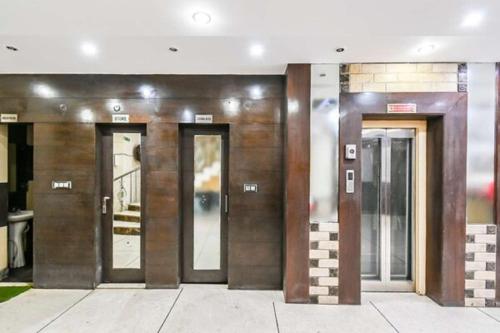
<point>18,222</point>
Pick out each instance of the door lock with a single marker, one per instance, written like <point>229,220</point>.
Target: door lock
<point>105,205</point>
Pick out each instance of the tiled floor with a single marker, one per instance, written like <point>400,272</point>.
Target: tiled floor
<point>213,308</point>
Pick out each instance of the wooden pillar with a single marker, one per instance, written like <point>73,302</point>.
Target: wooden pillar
<point>296,191</point>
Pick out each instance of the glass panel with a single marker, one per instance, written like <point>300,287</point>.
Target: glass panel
<point>480,143</point>
<point>127,200</point>
<point>370,215</point>
<point>207,202</point>
<point>400,204</point>
<point>325,89</point>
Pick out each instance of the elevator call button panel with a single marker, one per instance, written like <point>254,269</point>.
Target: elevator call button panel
<point>349,181</point>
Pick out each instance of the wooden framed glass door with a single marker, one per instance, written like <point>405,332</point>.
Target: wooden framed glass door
<point>204,204</point>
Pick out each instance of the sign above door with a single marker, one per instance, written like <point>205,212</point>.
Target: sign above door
<point>402,108</point>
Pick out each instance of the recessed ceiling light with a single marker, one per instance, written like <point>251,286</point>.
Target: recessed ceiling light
<point>173,49</point>
<point>340,50</point>
<point>257,50</point>
<point>473,19</point>
<point>87,115</point>
<point>89,49</point>
<point>11,48</point>
<point>201,18</point>
<point>426,49</point>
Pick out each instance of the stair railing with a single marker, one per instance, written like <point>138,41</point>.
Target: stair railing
<point>132,180</point>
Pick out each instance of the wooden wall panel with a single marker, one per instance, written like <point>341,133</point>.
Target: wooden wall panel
<point>256,150</point>
<point>296,183</point>
<point>446,155</point>
<point>162,206</point>
<point>64,227</point>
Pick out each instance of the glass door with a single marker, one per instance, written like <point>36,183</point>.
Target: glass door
<point>387,228</point>
<point>205,204</point>
<point>121,203</point>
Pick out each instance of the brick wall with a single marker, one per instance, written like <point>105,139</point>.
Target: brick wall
<point>480,265</point>
<point>415,77</point>
<point>324,262</point>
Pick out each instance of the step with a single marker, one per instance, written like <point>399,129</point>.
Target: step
<point>128,216</point>
<point>134,206</point>
<point>126,228</point>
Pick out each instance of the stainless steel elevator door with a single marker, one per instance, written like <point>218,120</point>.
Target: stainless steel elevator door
<point>387,227</point>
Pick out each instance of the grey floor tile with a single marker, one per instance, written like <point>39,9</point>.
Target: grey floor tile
<point>117,310</point>
<point>295,318</point>
<point>410,312</point>
<point>214,308</point>
<point>34,309</point>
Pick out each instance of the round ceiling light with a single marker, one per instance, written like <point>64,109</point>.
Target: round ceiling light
<point>201,18</point>
<point>89,49</point>
<point>11,48</point>
<point>173,49</point>
<point>340,50</point>
<point>257,50</point>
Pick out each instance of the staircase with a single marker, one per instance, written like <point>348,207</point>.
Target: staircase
<point>128,222</point>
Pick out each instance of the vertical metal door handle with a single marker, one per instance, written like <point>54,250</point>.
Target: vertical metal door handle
<point>226,206</point>
<point>105,205</point>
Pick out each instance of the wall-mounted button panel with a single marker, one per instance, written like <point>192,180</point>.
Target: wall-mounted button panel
<point>251,188</point>
<point>66,185</point>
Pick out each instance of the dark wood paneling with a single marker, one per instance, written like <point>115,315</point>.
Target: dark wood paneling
<point>446,157</point>
<point>296,183</point>
<point>129,86</point>
<point>255,157</point>
<point>162,206</point>
<point>497,177</point>
<point>64,227</point>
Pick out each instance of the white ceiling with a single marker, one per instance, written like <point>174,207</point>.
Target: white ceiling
<point>134,36</point>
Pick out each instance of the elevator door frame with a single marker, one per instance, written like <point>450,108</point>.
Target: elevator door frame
<point>419,202</point>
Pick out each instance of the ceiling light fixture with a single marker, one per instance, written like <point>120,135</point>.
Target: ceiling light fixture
<point>340,50</point>
<point>11,48</point>
<point>473,19</point>
<point>201,18</point>
<point>173,49</point>
<point>426,49</point>
<point>89,49</point>
<point>257,50</point>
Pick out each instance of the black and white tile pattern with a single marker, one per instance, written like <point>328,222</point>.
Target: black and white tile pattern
<point>480,265</point>
<point>324,263</point>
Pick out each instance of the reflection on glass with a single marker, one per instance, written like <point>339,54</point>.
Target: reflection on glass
<point>481,143</point>
<point>400,214</point>
<point>207,202</point>
<point>370,216</point>
<point>325,90</point>
<point>126,200</point>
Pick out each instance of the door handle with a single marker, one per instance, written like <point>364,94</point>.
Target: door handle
<point>105,205</point>
<point>226,203</point>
